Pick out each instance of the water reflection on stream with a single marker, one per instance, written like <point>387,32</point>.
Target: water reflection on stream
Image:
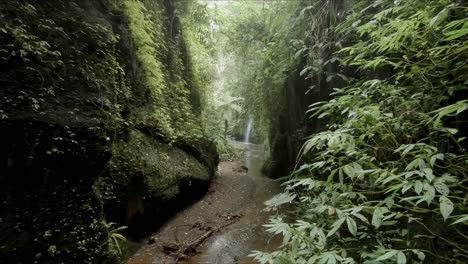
<point>238,240</point>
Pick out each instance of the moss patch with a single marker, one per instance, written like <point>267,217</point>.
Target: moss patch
<point>162,54</point>
<point>145,172</point>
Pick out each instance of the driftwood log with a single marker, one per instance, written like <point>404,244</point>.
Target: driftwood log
<point>181,250</point>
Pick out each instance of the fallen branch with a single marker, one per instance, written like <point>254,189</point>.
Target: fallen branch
<point>182,251</point>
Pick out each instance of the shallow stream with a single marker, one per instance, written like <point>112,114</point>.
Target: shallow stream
<point>235,243</point>
<point>235,192</point>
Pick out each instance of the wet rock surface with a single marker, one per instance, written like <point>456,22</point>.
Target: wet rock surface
<point>224,226</point>
<point>89,136</point>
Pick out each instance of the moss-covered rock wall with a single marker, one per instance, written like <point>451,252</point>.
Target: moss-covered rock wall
<point>292,123</point>
<point>290,128</point>
<point>99,121</point>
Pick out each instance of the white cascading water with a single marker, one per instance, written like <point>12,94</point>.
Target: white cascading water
<point>247,131</point>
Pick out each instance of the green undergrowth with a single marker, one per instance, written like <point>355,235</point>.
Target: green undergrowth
<point>386,182</point>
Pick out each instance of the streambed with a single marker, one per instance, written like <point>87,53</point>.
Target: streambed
<point>222,227</point>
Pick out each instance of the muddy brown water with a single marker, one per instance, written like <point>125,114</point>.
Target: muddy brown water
<point>233,193</point>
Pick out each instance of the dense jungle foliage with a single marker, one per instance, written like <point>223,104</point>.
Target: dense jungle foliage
<point>385,182</point>
<point>112,110</point>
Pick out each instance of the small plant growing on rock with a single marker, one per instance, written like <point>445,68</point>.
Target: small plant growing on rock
<point>116,239</point>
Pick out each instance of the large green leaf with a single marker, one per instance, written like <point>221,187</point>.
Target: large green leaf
<point>336,226</point>
<point>387,255</point>
<point>352,227</point>
<point>446,207</point>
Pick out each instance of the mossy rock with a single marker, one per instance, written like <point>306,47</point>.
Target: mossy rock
<point>79,102</point>
<point>50,211</point>
<point>144,173</point>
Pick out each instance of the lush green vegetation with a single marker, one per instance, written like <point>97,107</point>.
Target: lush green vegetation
<point>204,44</point>
<point>164,70</point>
<point>111,104</point>
<point>388,173</point>
<point>386,181</point>
<point>256,50</point>
<point>97,97</point>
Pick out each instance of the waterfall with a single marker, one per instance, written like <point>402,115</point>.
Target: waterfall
<point>248,129</point>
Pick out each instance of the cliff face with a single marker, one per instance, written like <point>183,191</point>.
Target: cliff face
<point>290,128</point>
<point>292,124</point>
<point>99,123</point>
